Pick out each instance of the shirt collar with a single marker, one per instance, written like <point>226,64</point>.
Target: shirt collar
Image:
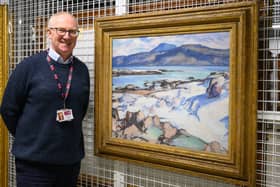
<point>56,57</point>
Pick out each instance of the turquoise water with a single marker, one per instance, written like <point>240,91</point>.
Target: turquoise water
<point>172,73</point>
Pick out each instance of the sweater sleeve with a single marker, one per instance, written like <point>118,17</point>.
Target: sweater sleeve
<point>14,97</point>
<point>88,93</point>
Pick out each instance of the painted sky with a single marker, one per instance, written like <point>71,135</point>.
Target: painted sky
<point>128,46</point>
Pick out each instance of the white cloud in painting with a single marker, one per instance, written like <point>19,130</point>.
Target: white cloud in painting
<point>128,46</point>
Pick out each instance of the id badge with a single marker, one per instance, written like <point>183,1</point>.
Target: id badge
<point>64,115</point>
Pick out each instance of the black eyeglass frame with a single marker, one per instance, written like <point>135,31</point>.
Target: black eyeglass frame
<point>62,31</point>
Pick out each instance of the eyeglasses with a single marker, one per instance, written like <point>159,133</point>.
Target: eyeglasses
<point>62,32</point>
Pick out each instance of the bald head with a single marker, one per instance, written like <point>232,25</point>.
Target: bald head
<point>61,15</point>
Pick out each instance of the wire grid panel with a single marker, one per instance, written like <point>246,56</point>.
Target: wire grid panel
<point>269,50</point>
<point>268,163</point>
<point>27,27</point>
<point>268,127</point>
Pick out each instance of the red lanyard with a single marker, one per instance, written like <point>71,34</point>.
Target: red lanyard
<point>59,84</point>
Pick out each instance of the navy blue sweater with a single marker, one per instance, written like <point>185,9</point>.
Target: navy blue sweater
<point>29,107</point>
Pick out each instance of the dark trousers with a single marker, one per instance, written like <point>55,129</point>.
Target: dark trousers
<point>33,174</point>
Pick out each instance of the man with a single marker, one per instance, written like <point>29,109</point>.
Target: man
<point>48,149</point>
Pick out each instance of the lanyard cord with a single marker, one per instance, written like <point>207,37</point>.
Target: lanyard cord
<point>59,84</point>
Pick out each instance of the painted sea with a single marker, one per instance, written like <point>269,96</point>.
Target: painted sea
<point>168,73</point>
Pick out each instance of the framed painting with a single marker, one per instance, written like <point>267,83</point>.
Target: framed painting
<point>176,90</point>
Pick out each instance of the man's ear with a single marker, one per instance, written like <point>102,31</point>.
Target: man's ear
<point>48,33</point>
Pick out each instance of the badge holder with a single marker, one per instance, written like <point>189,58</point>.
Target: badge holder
<point>64,115</point>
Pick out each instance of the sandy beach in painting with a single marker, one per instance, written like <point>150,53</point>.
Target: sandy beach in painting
<point>189,113</point>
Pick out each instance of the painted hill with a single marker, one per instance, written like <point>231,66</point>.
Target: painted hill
<point>163,47</point>
<point>170,55</point>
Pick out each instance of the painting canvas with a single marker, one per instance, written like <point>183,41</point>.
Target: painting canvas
<point>172,90</point>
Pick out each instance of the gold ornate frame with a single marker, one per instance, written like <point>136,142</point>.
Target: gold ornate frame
<point>3,79</point>
<point>241,20</point>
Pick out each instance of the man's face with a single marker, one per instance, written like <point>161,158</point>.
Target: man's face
<point>63,44</point>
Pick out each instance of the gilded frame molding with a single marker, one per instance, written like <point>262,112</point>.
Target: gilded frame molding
<point>241,20</point>
<point>3,79</point>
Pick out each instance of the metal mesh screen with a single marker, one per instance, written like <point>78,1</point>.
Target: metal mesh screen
<point>27,25</point>
<point>268,150</point>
